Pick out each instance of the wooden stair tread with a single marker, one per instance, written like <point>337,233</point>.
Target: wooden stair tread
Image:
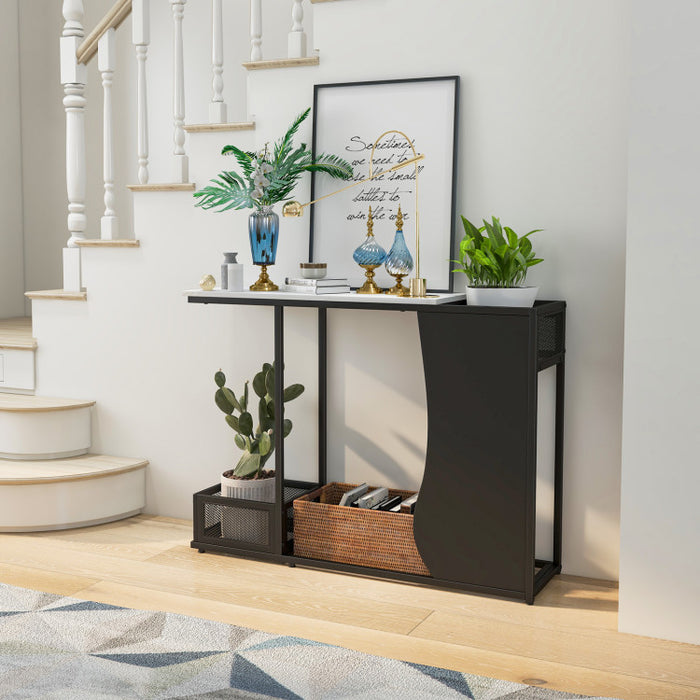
<point>114,243</point>
<point>281,63</point>
<point>227,126</point>
<point>21,403</point>
<point>90,466</point>
<point>16,334</point>
<point>164,187</point>
<point>57,294</point>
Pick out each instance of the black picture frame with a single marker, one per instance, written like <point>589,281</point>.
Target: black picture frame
<point>445,281</point>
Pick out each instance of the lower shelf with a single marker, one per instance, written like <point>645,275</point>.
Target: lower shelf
<point>214,515</point>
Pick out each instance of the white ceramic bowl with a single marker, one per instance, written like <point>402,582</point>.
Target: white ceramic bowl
<point>313,271</point>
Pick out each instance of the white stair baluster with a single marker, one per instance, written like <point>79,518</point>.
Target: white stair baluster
<point>106,65</point>
<point>217,107</point>
<point>296,42</point>
<point>73,79</point>
<point>140,37</point>
<point>181,172</point>
<point>256,30</point>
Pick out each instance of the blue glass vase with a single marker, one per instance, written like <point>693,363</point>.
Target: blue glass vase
<point>399,261</point>
<point>263,227</point>
<point>369,255</point>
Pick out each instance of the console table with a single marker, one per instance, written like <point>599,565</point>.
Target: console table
<point>474,524</point>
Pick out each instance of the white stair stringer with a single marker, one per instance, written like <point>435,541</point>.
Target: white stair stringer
<point>67,493</point>
<point>36,427</point>
<point>17,348</point>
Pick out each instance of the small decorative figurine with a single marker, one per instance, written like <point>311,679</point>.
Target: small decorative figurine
<point>207,283</point>
<point>369,256</point>
<point>399,261</point>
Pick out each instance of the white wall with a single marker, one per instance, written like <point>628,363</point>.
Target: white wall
<point>11,244</point>
<point>542,144</point>
<point>660,557</point>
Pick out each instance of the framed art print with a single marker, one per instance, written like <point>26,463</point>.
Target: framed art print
<point>348,119</point>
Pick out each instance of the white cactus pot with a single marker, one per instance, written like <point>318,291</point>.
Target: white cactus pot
<point>249,525</point>
<point>249,489</point>
<point>501,296</point>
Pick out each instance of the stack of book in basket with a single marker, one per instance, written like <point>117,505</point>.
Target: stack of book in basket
<point>327,285</point>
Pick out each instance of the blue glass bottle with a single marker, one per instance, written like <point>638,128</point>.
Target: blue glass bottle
<point>369,255</point>
<point>263,227</point>
<point>399,261</point>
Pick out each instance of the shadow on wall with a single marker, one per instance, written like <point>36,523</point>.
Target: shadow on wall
<point>377,421</point>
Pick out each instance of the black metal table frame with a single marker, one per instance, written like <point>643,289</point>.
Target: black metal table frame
<point>534,581</point>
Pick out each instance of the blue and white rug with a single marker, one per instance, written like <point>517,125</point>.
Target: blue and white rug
<point>58,648</point>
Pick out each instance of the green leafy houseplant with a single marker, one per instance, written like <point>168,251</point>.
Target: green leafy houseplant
<point>268,176</point>
<point>257,443</point>
<point>494,255</point>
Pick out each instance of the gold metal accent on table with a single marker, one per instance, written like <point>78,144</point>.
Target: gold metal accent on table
<point>263,283</point>
<point>417,287</point>
<point>398,289</point>
<point>370,286</point>
<point>207,283</point>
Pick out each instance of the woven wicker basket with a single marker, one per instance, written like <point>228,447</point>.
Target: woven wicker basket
<point>371,538</point>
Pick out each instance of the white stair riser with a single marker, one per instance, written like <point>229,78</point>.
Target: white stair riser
<point>61,505</point>
<point>44,434</point>
<point>16,369</point>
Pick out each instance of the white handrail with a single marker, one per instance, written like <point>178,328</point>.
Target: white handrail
<point>217,106</point>
<point>112,20</point>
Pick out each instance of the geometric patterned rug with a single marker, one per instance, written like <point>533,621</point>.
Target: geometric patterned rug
<point>58,648</point>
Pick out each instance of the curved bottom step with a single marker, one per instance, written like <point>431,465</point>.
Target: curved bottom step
<point>67,493</point>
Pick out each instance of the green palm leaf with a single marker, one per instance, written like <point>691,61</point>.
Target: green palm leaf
<point>231,190</point>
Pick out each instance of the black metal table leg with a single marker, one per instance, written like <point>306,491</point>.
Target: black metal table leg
<point>559,465</point>
<point>322,396</point>
<point>280,525</point>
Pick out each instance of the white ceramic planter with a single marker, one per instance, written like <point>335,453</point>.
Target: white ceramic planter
<point>249,525</point>
<point>249,489</point>
<point>503,296</point>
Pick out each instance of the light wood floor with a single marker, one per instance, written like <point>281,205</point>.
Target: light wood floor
<point>568,640</point>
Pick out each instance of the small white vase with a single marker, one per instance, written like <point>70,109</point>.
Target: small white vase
<point>501,296</point>
<point>249,525</point>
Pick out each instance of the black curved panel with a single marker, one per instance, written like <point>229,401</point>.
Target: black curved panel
<point>475,501</point>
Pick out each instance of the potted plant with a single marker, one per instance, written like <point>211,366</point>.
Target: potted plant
<point>496,260</point>
<point>266,178</point>
<point>249,479</point>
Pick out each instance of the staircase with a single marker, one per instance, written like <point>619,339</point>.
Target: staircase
<point>119,330</point>
<point>47,479</point>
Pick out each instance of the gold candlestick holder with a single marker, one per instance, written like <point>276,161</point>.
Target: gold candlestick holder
<point>263,283</point>
<point>370,286</point>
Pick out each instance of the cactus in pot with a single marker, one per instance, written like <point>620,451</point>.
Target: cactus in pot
<point>256,440</point>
